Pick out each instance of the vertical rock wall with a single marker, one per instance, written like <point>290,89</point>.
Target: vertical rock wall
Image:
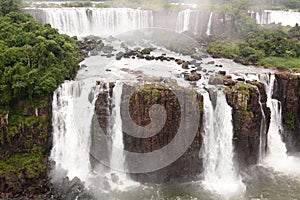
<point>287,91</point>
<point>247,117</point>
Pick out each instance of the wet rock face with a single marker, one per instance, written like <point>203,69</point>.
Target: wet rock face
<point>25,145</point>
<point>189,165</point>
<point>287,91</point>
<point>247,117</point>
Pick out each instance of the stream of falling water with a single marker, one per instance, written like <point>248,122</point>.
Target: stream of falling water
<point>219,170</point>
<point>71,134</point>
<point>208,31</point>
<point>277,157</point>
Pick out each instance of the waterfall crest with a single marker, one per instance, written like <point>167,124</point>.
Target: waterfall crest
<point>219,170</point>
<point>96,21</point>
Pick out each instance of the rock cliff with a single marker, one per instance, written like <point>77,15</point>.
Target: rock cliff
<point>25,144</point>
<point>287,91</point>
<point>245,100</point>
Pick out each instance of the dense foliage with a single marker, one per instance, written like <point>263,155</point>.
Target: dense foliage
<point>250,43</point>
<point>34,58</point>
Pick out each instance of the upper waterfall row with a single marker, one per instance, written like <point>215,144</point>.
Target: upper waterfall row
<point>113,21</point>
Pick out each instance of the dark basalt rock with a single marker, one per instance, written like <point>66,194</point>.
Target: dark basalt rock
<point>179,61</point>
<point>146,51</point>
<point>215,80</point>
<point>192,77</point>
<point>287,91</point>
<point>149,57</point>
<point>189,165</point>
<point>241,79</point>
<point>185,65</point>
<point>223,73</point>
<point>247,117</point>
<point>20,179</point>
<point>119,55</point>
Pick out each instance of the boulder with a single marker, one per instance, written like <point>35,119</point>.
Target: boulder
<point>192,77</point>
<point>185,65</point>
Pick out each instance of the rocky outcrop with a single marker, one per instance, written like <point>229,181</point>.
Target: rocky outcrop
<point>246,99</point>
<point>189,165</point>
<point>25,144</point>
<point>247,117</point>
<point>287,91</point>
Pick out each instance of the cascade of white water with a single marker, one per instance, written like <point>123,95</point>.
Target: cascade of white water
<point>277,157</point>
<point>66,133</point>
<point>208,31</point>
<point>183,20</point>
<point>219,170</point>
<point>276,147</point>
<point>117,158</point>
<point>72,113</point>
<point>286,18</point>
<point>117,155</point>
<point>188,20</point>
<point>97,21</point>
<point>263,129</point>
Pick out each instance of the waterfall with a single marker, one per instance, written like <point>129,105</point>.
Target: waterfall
<point>286,18</point>
<point>183,20</point>
<point>277,157</point>
<point>263,129</point>
<point>120,180</point>
<point>188,20</point>
<point>219,170</point>
<point>117,154</point>
<point>70,139</point>
<point>276,147</point>
<point>208,31</point>
<point>96,21</point>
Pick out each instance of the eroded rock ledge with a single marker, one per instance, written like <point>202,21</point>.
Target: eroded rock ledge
<point>247,100</point>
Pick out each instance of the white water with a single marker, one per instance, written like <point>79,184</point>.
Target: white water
<point>286,18</point>
<point>219,170</point>
<point>208,31</point>
<point>263,129</point>
<point>97,21</point>
<point>117,159</point>
<point>70,138</point>
<point>277,157</point>
<point>185,21</point>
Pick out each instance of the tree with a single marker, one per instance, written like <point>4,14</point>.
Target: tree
<point>7,6</point>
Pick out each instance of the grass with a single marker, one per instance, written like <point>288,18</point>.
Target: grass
<point>280,63</point>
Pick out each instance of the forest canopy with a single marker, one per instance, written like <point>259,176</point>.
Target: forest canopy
<point>34,58</point>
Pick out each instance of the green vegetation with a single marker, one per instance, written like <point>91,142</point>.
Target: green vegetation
<point>34,60</point>
<point>29,162</point>
<point>250,43</point>
<point>143,4</point>
<point>290,120</point>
